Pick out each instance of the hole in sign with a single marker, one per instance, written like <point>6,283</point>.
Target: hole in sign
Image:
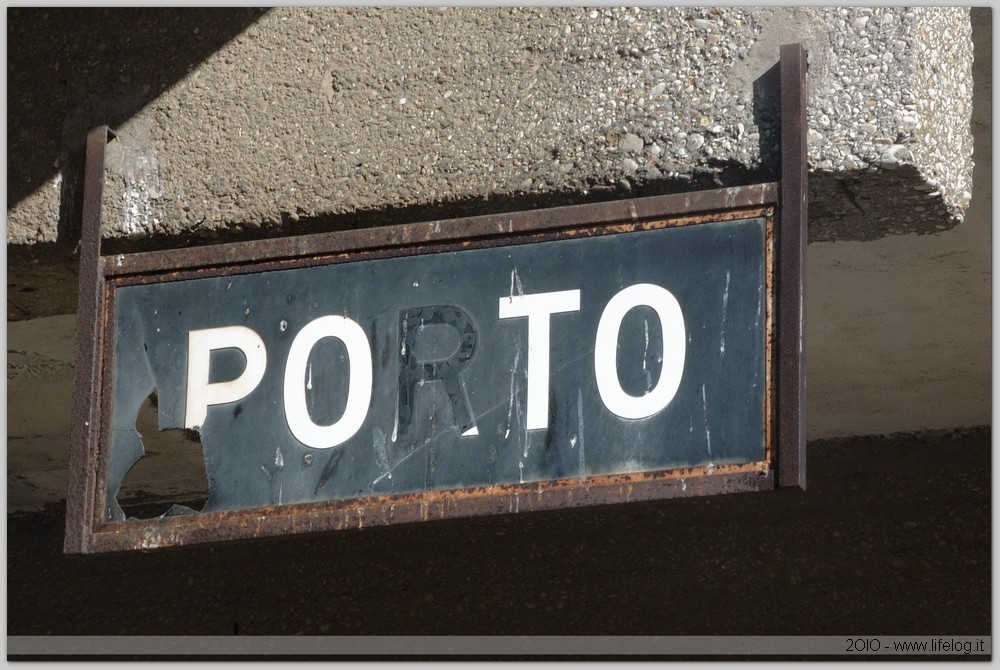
<point>170,477</point>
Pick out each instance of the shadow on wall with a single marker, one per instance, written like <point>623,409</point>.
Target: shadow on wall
<point>71,69</point>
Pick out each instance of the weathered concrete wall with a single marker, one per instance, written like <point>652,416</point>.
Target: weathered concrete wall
<point>312,113</point>
<point>898,320</point>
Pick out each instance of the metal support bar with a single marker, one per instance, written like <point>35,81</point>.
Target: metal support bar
<point>792,238</point>
<point>87,381</point>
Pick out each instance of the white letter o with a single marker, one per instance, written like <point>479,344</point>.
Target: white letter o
<point>668,310</point>
<point>359,389</point>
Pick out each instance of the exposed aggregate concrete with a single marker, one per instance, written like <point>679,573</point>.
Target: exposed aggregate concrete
<point>314,114</point>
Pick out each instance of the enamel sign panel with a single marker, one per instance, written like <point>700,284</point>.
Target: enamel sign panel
<point>568,357</point>
<point>606,354</point>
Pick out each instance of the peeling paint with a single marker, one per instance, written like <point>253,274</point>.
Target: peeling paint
<point>579,418</point>
<point>725,306</point>
<point>515,280</point>
<point>381,454</point>
<point>708,433</point>
<point>395,423</point>
<point>645,357</point>
<point>513,379</point>
<point>402,350</point>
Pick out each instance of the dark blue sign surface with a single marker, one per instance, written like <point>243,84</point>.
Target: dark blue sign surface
<point>632,352</point>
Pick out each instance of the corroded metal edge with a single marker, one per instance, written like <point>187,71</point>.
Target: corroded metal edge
<point>85,422</point>
<point>328,251</point>
<point>471,231</point>
<point>356,513</point>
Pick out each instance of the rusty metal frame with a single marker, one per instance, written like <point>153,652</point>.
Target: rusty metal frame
<point>100,276</point>
<point>90,330</point>
<point>792,305</point>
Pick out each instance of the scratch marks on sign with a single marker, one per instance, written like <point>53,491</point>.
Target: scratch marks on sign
<point>513,430</point>
<point>759,350</point>
<point>379,439</point>
<point>381,454</point>
<point>522,434</point>
<point>725,307</point>
<point>513,384</point>
<point>328,469</point>
<point>515,280</point>
<point>645,356</point>
<point>279,463</point>
<point>473,431</point>
<point>402,350</point>
<point>708,433</point>
<point>395,421</point>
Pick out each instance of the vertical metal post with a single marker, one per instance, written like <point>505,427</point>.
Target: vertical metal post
<point>793,212</point>
<point>792,238</point>
<point>87,378</point>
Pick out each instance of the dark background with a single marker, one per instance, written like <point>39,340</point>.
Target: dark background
<point>892,537</point>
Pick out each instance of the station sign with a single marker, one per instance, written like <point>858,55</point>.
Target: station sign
<point>609,351</point>
<point>583,355</point>
<point>563,360</point>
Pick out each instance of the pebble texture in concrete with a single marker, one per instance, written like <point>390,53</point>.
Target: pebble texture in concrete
<point>309,114</point>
